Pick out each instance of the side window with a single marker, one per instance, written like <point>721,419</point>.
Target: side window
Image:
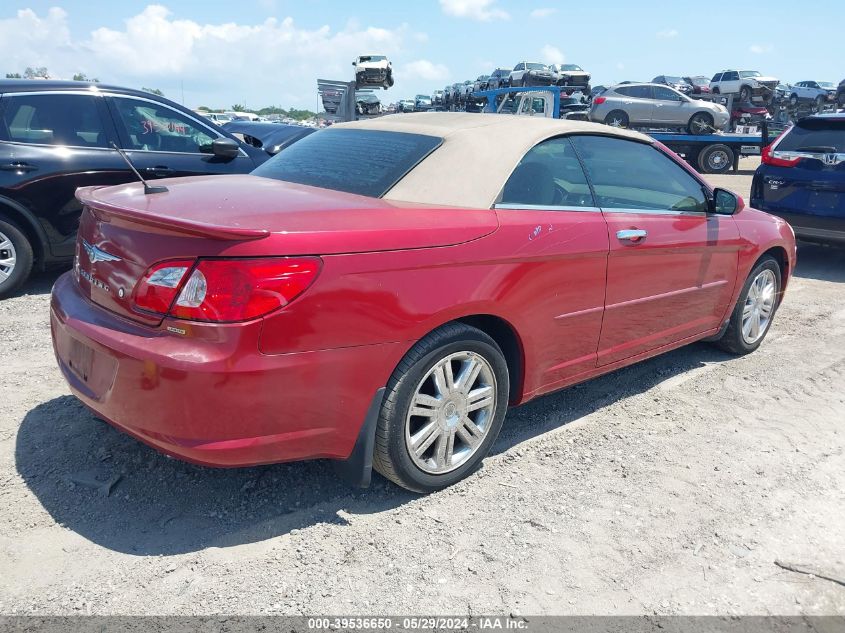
<point>731,76</point>
<point>641,92</point>
<point>520,67</point>
<point>550,174</point>
<point>54,119</point>
<point>636,176</point>
<point>625,91</point>
<point>664,94</point>
<point>155,127</point>
<point>716,77</point>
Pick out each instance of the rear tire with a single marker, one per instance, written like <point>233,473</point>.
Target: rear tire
<point>763,284</point>
<point>820,102</point>
<point>617,118</point>
<point>16,258</point>
<point>449,443</point>
<point>793,100</point>
<point>715,159</point>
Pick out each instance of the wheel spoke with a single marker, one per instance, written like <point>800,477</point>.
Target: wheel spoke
<point>423,438</point>
<point>440,384</point>
<point>469,432</point>
<point>424,405</point>
<point>479,398</point>
<point>5,244</point>
<point>468,375</point>
<point>755,325</point>
<point>4,275</point>
<point>441,449</point>
<point>746,311</point>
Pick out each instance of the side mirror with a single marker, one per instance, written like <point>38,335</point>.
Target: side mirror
<point>725,202</point>
<point>225,147</point>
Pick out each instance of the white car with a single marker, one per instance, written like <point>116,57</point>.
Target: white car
<point>748,84</point>
<point>373,71</point>
<point>817,92</point>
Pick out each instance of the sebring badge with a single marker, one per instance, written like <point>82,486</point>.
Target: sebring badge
<point>98,255</point>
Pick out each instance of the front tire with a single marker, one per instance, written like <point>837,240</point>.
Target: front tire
<point>16,258</point>
<point>755,309</point>
<point>443,409</point>
<point>701,123</point>
<point>745,94</point>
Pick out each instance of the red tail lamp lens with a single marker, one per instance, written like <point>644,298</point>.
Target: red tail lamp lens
<point>242,289</point>
<point>160,285</point>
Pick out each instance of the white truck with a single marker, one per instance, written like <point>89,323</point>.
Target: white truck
<point>748,84</point>
<point>373,71</point>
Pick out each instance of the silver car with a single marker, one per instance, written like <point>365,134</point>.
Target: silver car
<point>654,105</point>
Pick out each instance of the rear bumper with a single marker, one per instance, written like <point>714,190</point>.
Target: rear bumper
<point>808,227</point>
<point>210,397</point>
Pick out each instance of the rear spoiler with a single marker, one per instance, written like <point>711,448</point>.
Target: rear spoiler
<point>190,227</point>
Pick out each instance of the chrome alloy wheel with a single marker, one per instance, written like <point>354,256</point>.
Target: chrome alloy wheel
<point>451,412</point>
<point>759,306</point>
<point>8,257</point>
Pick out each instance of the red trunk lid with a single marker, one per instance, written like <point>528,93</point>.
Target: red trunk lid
<point>123,231</point>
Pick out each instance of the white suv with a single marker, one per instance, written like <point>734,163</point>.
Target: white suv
<point>748,84</point>
<point>373,70</point>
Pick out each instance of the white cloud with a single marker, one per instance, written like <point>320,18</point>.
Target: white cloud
<point>620,66</point>
<point>543,12</point>
<point>759,49</point>
<point>481,10</point>
<point>270,62</point>
<point>668,34</point>
<point>424,69</point>
<point>552,55</point>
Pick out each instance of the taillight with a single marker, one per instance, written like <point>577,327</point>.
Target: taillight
<point>599,100</point>
<point>160,285</point>
<point>242,289</point>
<point>775,158</point>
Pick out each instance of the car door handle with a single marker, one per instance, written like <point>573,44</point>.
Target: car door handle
<point>159,170</point>
<point>631,235</point>
<point>18,167</point>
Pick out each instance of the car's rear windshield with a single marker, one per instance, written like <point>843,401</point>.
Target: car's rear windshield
<point>571,67</point>
<point>672,80</point>
<point>700,81</point>
<point>815,135</point>
<point>363,162</point>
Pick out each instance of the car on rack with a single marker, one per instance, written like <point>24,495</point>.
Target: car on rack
<point>749,114</point>
<point>571,75</point>
<point>405,105</point>
<point>676,83</point>
<point>840,94</point>
<point>700,84</point>
<point>801,178</point>
<point>422,103</point>
<point>331,98</point>
<point>367,103</point>
<point>531,74</point>
<point>438,99</point>
<point>574,108</point>
<point>373,71</point>
<point>819,93</point>
<point>747,84</point>
<point>499,78</point>
<point>480,83</point>
<point>56,136</point>
<point>654,105</point>
<point>217,117</point>
<point>397,321</point>
<point>465,91</point>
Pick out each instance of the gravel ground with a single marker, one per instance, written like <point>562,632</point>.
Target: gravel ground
<point>669,487</point>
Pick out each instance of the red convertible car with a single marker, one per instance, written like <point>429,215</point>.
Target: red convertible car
<point>380,292</point>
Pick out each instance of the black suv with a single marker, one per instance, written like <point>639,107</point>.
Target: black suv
<point>56,136</point>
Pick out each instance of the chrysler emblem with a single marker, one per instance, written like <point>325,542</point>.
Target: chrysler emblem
<point>98,255</point>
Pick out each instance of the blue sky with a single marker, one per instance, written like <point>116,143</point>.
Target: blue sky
<point>263,52</point>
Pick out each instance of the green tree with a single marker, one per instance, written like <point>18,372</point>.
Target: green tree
<point>84,77</point>
<point>36,73</point>
<point>154,91</point>
<point>238,108</point>
<point>13,76</point>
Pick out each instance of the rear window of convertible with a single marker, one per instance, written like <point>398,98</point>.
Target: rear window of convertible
<point>363,162</point>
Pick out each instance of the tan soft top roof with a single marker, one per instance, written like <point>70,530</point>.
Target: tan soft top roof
<point>478,154</point>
